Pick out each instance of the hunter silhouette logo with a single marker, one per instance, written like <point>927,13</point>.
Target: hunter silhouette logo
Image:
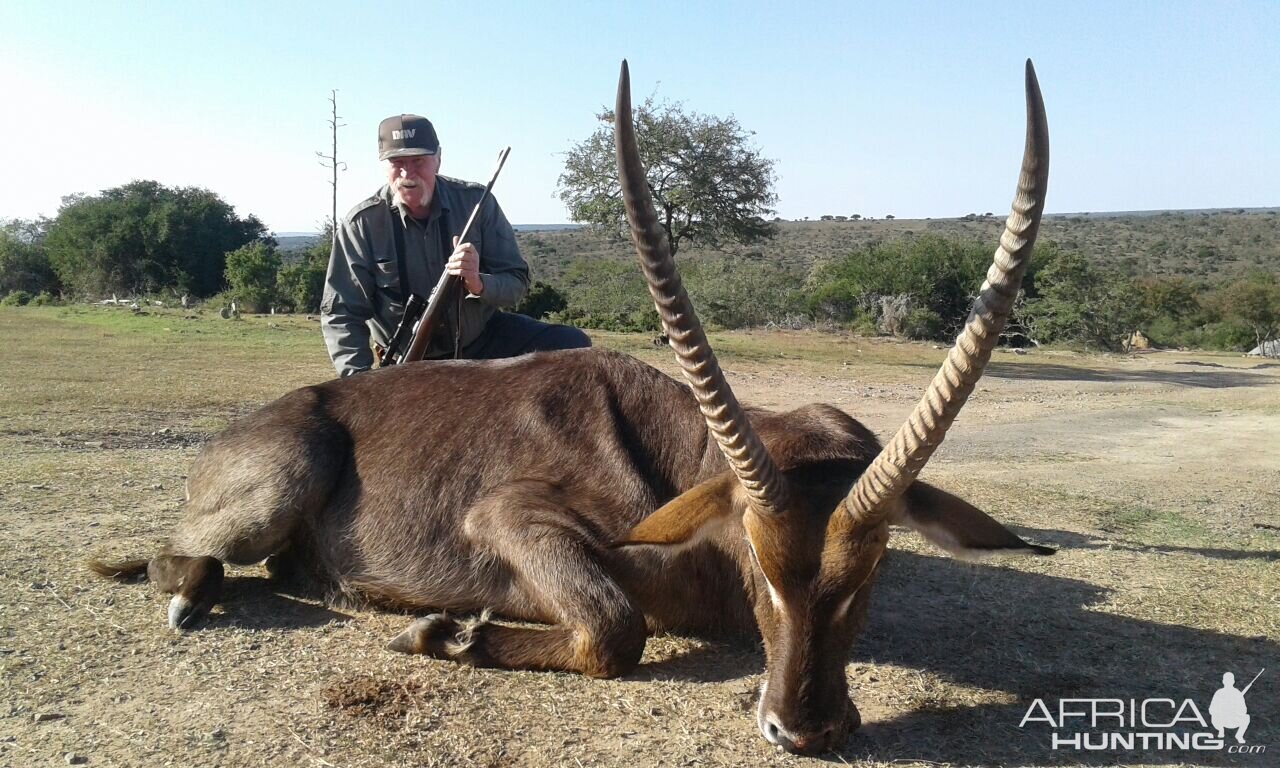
<point>1228,710</point>
<point>406,133</point>
<point>1096,725</point>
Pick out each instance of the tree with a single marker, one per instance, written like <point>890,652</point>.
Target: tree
<point>251,275</point>
<point>300,285</point>
<point>1173,313</point>
<point>24,265</point>
<point>331,161</point>
<point>1077,301</point>
<point>145,237</point>
<point>1255,302</point>
<point>708,185</point>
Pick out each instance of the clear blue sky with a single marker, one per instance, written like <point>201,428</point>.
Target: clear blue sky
<point>908,108</point>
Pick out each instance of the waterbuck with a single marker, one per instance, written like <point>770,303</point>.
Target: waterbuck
<point>592,494</point>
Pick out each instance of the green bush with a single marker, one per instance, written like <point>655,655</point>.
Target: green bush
<point>251,274</point>
<point>300,285</point>
<point>541,301</point>
<point>45,299</point>
<point>16,299</point>
<point>921,323</point>
<point>743,292</point>
<point>24,264</point>
<point>936,274</point>
<point>1223,334</point>
<point>608,295</point>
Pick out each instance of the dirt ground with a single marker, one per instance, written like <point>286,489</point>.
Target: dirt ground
<point>1155,476</point>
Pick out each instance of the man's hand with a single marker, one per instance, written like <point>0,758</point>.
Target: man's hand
<point>465,263</point>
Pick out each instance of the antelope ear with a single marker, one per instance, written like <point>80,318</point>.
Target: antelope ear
<point>953,524</point>
<point>689,516</point>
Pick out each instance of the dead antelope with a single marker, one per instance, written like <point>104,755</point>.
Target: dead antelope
<point>591,493</point>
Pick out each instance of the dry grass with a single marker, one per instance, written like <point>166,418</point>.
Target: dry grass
<point>1156,478</point>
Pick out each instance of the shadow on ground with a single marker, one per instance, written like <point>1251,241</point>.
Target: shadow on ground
<point>985,626</point>
<point>259,603</point>
<point>1215,379</point>
<point>1036,637</point>
<point>1071,540</point>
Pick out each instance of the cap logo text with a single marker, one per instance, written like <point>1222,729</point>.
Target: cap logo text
<point>406,133</point>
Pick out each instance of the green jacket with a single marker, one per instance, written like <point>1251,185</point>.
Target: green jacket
<point>363,294</point>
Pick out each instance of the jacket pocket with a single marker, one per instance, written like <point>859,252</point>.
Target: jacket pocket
<point>387,274</point>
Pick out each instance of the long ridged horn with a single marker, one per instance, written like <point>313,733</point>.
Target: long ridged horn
<point>903,458</point>
<point>725,417</point>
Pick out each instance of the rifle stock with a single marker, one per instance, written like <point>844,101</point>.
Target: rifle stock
<point>394,352</point>
<point>444,292</point>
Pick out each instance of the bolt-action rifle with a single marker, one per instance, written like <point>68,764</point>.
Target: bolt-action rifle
<point>1251,682</point>
<point>401,349</point>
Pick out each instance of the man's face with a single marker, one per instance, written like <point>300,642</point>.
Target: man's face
<point>413,179</point>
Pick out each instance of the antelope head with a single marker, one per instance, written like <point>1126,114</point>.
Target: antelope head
<point>815,532</point>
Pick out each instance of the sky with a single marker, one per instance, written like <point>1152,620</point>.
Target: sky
<point>907,108</point>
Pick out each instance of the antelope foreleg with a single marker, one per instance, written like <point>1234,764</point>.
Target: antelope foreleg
<point>558,567</point>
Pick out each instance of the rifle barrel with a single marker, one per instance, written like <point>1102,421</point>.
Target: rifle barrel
<point>1251,682</point>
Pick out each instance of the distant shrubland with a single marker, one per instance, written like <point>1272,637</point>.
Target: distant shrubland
<point>1197,279</point>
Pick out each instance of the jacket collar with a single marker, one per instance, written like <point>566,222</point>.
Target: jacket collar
<point>439,202</point>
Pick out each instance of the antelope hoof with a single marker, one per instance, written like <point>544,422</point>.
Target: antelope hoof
<point>427,635</point>
<point>198,589</point>
<point>185,613</point>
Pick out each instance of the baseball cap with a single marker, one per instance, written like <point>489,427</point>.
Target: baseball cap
<point>406,135</point>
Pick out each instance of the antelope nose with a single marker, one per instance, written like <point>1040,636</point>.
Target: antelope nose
<point>792,741</point>
<point>775,734</point>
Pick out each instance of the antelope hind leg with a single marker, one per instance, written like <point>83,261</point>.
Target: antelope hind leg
<point>194,582</point>
<point>598,629</point>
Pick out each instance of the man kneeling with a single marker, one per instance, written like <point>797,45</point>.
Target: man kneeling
<point>400,240</point>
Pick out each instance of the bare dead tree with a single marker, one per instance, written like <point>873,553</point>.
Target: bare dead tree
<point>331,160</point>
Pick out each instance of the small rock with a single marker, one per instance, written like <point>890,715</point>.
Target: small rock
<point>74,759</point>
<point>45,717</point>
<point>1019,351</point>
<point>39,487</point>
<point>93,444</point>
